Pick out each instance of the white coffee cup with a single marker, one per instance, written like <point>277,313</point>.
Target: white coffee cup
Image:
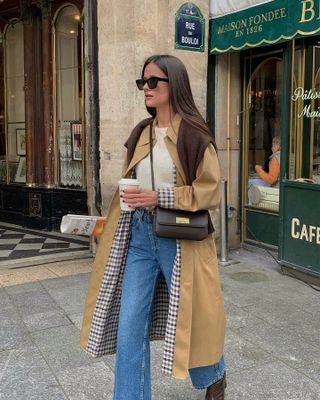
<point>126,183</point>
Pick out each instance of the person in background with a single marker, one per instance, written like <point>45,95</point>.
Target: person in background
<point>272,177</point>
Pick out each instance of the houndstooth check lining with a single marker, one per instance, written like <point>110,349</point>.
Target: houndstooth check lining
<point>103,334</point>
<point>166,200</point>
<point>166,197</point>
<point>104,326</point>
<point>170,336</point>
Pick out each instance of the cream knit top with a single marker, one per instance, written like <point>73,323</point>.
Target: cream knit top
<point>162,165</point>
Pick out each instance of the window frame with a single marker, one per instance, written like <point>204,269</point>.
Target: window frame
<point>57,177</point>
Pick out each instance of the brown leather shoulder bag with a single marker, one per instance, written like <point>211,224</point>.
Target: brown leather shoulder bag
<point>178,224</point>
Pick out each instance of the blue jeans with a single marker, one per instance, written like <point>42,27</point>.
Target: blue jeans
<point>148,255</point>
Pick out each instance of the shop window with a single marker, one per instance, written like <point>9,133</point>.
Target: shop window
<point>296,125</point>
<point>68,90</point>
<point>263,134</point>
<point>12,106</point>
<point>304,150</point>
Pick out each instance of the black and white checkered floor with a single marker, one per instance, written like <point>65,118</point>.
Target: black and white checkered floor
<point>17,243</point>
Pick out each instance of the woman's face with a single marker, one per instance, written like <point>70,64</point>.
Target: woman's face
<point>275,148</point>
<point>158,97</point>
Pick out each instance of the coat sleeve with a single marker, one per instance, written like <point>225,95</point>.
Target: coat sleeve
<point>203,194</point>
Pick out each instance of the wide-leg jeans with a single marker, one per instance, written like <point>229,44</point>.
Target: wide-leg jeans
<point>148,255</point>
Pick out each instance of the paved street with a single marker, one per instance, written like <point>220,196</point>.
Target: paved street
<point>272,346</point>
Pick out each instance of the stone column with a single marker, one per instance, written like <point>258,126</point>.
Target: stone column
<point>221,106</point>
<point>29,85</point>
<point>92,132</point>
<point>48,139</point>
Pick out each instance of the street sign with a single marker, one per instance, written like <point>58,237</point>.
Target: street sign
<point>190,28</point>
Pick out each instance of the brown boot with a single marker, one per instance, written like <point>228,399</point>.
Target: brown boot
<point>216,390</point>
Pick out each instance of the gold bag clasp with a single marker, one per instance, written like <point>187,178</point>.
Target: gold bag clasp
<point>182,220</point>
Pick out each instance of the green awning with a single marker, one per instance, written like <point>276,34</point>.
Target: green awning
<point>265,24</point>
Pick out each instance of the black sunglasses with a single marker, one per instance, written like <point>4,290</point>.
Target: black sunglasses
<point>152,82</point>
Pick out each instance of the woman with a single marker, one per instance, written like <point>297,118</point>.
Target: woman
<point>271,177</point>
<point>143,286</point>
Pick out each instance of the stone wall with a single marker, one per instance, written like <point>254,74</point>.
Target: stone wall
<point>129,32</point>
<point>229,164</point>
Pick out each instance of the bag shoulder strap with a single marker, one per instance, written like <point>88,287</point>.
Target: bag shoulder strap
<point>151,154</point>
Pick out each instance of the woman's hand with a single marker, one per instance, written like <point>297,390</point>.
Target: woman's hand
<point>139,197</point>
<point>258,168</point>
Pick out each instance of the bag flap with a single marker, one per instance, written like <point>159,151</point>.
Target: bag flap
<point>197,219</point>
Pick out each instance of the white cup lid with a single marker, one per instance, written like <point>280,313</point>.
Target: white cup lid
<point>129,181</point>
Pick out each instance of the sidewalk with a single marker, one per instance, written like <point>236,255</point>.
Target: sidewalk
<point>272,346</point>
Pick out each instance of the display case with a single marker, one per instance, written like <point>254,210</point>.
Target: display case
<point>42,138</point>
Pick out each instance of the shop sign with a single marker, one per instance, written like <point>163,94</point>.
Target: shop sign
<point>190,28</point>
<point>307,94</point>
<point>269,23</point>
<point>308,233</point>
<point>300,243</point>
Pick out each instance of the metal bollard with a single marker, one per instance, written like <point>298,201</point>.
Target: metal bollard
<point>223,223</point>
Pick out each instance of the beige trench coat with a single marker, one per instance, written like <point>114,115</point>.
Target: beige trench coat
<point>200,325</point>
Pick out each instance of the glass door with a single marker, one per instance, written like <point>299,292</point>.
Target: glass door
<point>263,75</point>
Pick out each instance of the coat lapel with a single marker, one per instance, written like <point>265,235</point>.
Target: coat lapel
<point>142,149</point>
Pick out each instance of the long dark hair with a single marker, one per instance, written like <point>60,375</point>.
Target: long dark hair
<point>181,98</point>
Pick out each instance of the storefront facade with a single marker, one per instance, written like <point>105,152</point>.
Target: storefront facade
<point>269,51</point>
<point>70,101</point>
<point>42,140</point>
